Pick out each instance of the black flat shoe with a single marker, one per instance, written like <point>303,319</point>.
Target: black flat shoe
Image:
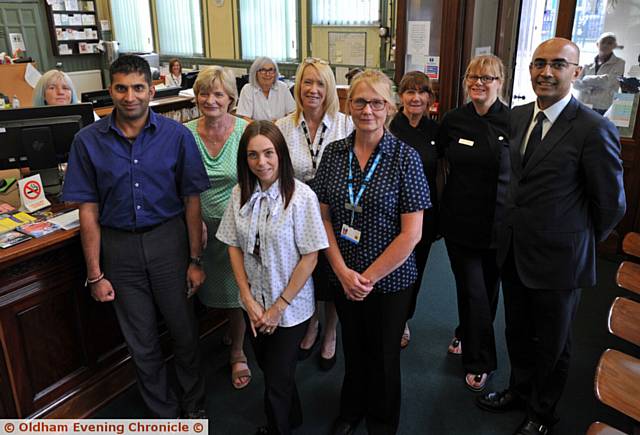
<point>342,427</point>
<point>501,401</point>
<point>306,353</point>
<point>327,364</point>
<point>531,427</point>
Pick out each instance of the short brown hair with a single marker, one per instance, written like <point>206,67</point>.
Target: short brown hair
<point>415,80</point>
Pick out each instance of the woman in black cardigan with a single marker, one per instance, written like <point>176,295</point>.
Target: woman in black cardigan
<point>474,140</point>
<point>413,126</point>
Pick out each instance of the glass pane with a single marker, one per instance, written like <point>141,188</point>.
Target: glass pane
<point>179,27</point>
<point>608,34</point>
<point>537,23</point>
<point>132,25</point>
<point>269,29</point>
<point>426,16</point>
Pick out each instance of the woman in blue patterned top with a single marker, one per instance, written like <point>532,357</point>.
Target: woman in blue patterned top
<point>372,192</point>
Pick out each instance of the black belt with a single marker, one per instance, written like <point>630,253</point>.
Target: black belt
<point>138,230</point>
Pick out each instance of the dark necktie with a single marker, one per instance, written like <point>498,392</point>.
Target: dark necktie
<point>534,138</point>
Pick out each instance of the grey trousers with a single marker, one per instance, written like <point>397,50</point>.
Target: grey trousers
<point>148,270</point>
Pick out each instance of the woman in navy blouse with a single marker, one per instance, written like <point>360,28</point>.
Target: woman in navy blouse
<point>476,146</point>
<point>372,192</point>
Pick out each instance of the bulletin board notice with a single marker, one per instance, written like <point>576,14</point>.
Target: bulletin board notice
<point>347,48</point>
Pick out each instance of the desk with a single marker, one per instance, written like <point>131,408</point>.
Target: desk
<point>160,105</point>
<point>61,353</point>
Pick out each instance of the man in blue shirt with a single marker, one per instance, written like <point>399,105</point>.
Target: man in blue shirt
<point>138,178</point>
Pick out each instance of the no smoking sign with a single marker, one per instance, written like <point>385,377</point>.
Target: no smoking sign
<point>32,189</point>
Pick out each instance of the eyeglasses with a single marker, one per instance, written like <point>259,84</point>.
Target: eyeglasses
<point>484,79</point>
<point>312,60</point>
<point>557,65</point>
<point>267,71</point>
<point>361,103</point>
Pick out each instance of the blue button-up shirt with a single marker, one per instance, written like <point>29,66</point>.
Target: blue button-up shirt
<point>136,184</point>
<point>398,186</point>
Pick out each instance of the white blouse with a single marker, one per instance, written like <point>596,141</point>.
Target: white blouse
<point>253,104</point>
<point>172,81</point>
<point>284,235</point>
<point>336,127</point>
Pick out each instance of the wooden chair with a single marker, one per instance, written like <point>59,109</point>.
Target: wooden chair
<point>598,428</point>
<point>624,320</point>
<point>628,276</point>
<point>617,382</point>
<point>631,244</point>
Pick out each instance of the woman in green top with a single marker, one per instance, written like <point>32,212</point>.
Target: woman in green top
<point>217,134</point>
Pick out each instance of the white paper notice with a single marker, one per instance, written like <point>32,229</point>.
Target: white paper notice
<point>483,50</point>
<point>621,109</point>
<point>17,42</point>
<point>418,37</point>
<point>341,72</point>
<point>31,75</point>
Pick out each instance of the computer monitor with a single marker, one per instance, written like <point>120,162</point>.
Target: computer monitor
<point>40,137</point>
<point>188,79</point>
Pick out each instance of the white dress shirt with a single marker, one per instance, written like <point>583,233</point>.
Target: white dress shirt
<point>284,236</point>
<point>552,112</point>
<point>253,104</point>
<point>337,127</point>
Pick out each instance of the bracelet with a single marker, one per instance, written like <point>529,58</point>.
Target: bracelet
<point>286,301</point>
<point>90,281</point>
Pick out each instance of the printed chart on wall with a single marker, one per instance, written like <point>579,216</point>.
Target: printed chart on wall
<point>347,48</point>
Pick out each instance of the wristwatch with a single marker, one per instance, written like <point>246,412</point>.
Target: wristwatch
<point>197,261</point>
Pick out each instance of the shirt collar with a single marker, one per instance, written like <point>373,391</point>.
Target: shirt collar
<point>110,123</point>
<point>326,120</point>
<point>385,145</point>
<point>552,112</point>
<point>273,191</point>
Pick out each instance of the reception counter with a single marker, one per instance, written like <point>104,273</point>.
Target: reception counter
<point>62,354</point>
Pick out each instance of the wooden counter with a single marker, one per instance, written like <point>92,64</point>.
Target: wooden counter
<point>61,353</point>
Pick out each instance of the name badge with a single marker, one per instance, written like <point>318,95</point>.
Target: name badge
<point>350,234</point>
<point>350,207</point>
<point>466,142</point>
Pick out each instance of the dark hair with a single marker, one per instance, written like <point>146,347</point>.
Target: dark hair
<point>415,80</point>
<point>172,61</point>
<point>247,179</point>
<point>128,64</point>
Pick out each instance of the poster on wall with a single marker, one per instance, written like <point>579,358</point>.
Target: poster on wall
<point>418,33</point>
<point>17,42</point>
<point>347,48</point>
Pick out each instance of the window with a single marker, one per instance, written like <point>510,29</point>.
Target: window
<point>346,12</point>
<point>179,27</point>
<point>132,25</point>
<point>269,28</point>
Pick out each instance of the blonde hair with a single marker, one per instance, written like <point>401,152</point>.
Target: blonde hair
<point>380,83</point>
<point>46,80</point>
<point>487,62</point>
<point>227,79</point>
<point>331,104</point>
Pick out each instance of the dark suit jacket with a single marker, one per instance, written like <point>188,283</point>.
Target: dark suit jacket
<point>568,197</point>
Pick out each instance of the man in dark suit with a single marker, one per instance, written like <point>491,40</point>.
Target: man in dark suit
<point>565,195</point>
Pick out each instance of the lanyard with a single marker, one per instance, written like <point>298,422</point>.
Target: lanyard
<point>363,186</point>
<point>314,155</point>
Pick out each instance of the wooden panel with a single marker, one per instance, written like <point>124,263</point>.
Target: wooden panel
<point>631,244</point>
<point>598,428</point>
<point>617,382</point>
<point>624,320</point>
<point>7,410</point>
<point>628,276</point>
<point>13,83</point>
<point>451,45</point>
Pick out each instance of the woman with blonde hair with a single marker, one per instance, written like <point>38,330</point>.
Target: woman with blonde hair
<point>475,142</point>
<point>372,194</point>
<point>54,88</point>
<point>316,123</point>
<point>217,135</point>
<point>265,97</point>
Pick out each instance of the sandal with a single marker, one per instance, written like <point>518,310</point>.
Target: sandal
<point>406,337</point>
<point>237,375</point>
<point>455,347</point>
<point>476,383</point>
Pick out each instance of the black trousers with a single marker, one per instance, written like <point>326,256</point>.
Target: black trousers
<point>478,285</point>
<point>277,357</point>
<point>538,332</point>
<point>149,270</point>
<point>371,331</point>
<point>422,255</point>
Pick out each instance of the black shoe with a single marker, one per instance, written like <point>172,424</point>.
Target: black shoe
<point>306,353</point>
<point>532,427</point>
<point>501,401</point>
<point>262,430</point>
<point>342,427</point>
<point>327,364</point>
<point>196,414</point>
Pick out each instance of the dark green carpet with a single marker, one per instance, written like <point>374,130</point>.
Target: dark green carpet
<point>434,400</point>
